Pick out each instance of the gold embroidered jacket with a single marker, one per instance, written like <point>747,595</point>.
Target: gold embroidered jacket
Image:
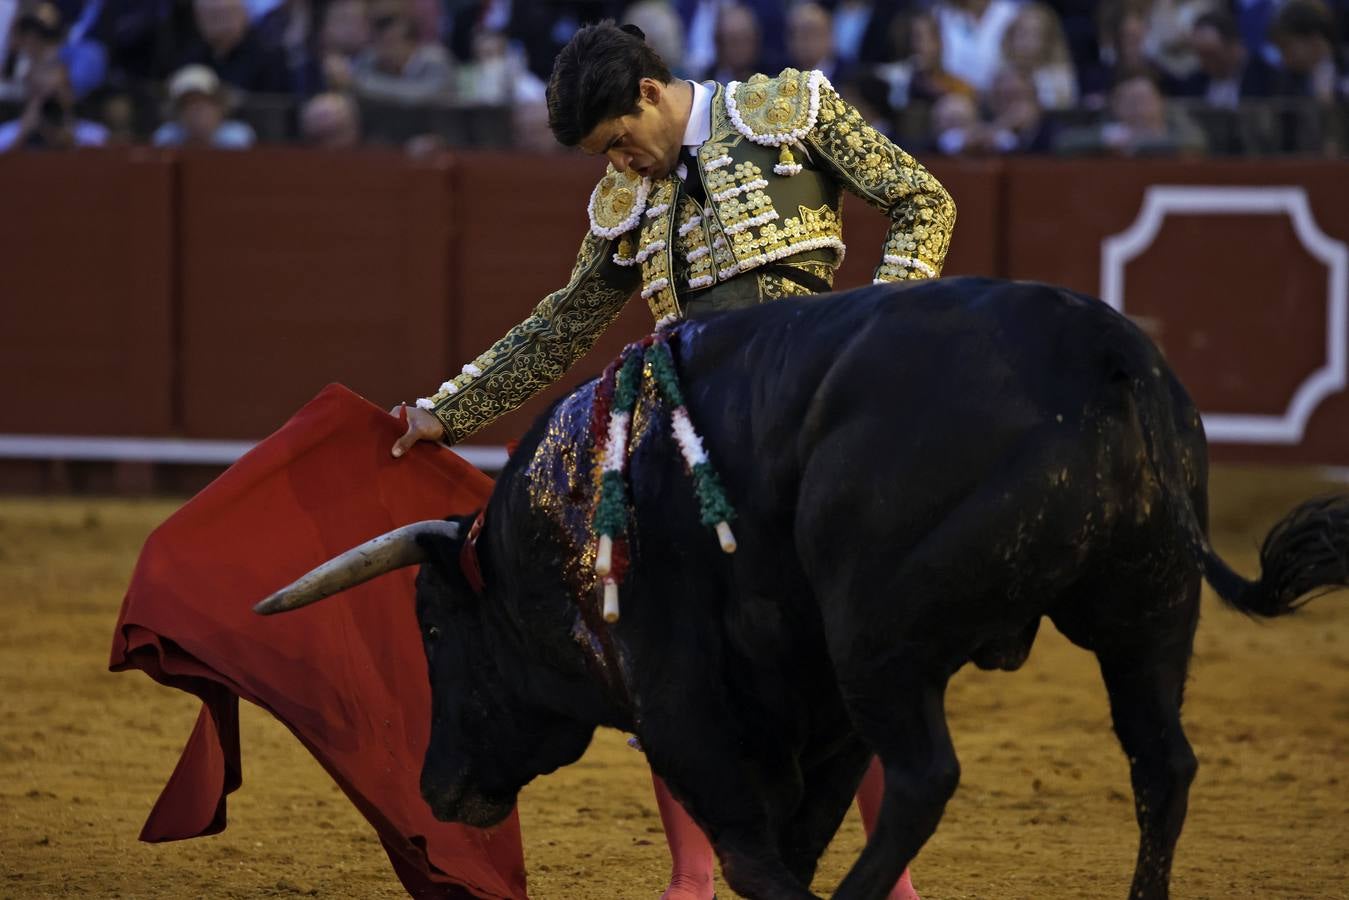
<point>779,151</point>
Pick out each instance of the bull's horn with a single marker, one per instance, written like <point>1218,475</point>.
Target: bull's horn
<point>390,551</point>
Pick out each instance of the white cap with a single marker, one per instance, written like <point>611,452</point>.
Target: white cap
<point>193,80</point>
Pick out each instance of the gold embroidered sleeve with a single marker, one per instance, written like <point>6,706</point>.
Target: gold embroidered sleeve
<point>865,161</point>
<point>536,353</point>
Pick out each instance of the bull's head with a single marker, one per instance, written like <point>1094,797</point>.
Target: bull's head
<point>490,736</point>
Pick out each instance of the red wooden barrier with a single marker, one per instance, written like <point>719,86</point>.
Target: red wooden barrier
<point>299,269</point>
<point>86,266</point>
<point>1241,269</point>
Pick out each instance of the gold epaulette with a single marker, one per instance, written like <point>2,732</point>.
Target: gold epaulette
<point>617,203</point>
<point>775,111</point>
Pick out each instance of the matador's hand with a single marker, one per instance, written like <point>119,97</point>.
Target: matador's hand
<point>422,426</point>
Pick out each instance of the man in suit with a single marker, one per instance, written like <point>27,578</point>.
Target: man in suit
<point>1228,72</point>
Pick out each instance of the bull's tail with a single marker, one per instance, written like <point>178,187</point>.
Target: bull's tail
<point>1305,555</point>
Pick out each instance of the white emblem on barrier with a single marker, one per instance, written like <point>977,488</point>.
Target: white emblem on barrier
<point>1162,200</point>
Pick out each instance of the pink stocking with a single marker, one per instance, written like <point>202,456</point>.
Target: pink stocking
<point>690,851</point>
<point>869,795</point>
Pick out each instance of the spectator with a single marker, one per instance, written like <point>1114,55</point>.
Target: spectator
<point>48,120</point>
<point>344,34</point>
<point>401,69</point>
<point>530,131</point>
<point>663,29</point>
<point>971,37</point>
<point>34,39</point>
<point>540,29</point>
<point>1078,21</point>
<point>240,55</point>
<point>117,112</point>
<point>428,17</point>
<point>292,27</point>
<point>862,30</point>
<point>1018,122</point>
<point>497,75</point>
<point>851,20</point>
<point>140,38</point>
<point>1035,46</point>
<point>918,76</point>
<point>738,47</point>
<point>1169,23</point>
<point>331,121</point>
<point>956,127</point>
<point>1228,72</point>
<point>1304,31</point>
<point>810,40</point>
<point>1141,124</point>
<point>702,19</point>
<point>199,106</point>
<point>41,34</point>
<point>1124,31</point>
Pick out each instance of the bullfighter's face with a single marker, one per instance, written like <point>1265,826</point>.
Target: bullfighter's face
<point>647,140</point>
<point>489,737</point>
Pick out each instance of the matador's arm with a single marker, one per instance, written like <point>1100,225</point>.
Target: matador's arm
<point>536,353</point>
<point>869,165</point>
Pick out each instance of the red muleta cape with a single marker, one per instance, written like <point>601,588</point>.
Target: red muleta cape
<point>347,676</point>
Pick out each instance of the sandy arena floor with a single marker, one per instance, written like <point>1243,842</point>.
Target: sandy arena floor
<point>1043,810</point>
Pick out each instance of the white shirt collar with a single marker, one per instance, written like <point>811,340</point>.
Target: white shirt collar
<point>699,128</point>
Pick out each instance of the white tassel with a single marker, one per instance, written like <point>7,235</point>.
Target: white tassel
<point>604,557</point>
<point>726,537</point>
<point>610,601</point>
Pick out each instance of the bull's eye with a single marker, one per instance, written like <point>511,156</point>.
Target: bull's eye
<point>432,633</point>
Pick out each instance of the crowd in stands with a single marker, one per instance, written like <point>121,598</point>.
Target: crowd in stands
<point>952,77</point>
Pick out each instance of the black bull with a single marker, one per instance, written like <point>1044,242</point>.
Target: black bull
<point>920,474</point>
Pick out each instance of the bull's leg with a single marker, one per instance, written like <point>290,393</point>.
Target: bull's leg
<point>1143,647</point>
<point>1145,705</point>
<point>829,787</point>
<point>905,721</point>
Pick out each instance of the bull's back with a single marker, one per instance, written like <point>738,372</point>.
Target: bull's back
<point>960,365</point>
<point>916,395</point>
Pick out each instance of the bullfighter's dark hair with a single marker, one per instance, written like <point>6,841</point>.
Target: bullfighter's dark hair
<point>597,77</point>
